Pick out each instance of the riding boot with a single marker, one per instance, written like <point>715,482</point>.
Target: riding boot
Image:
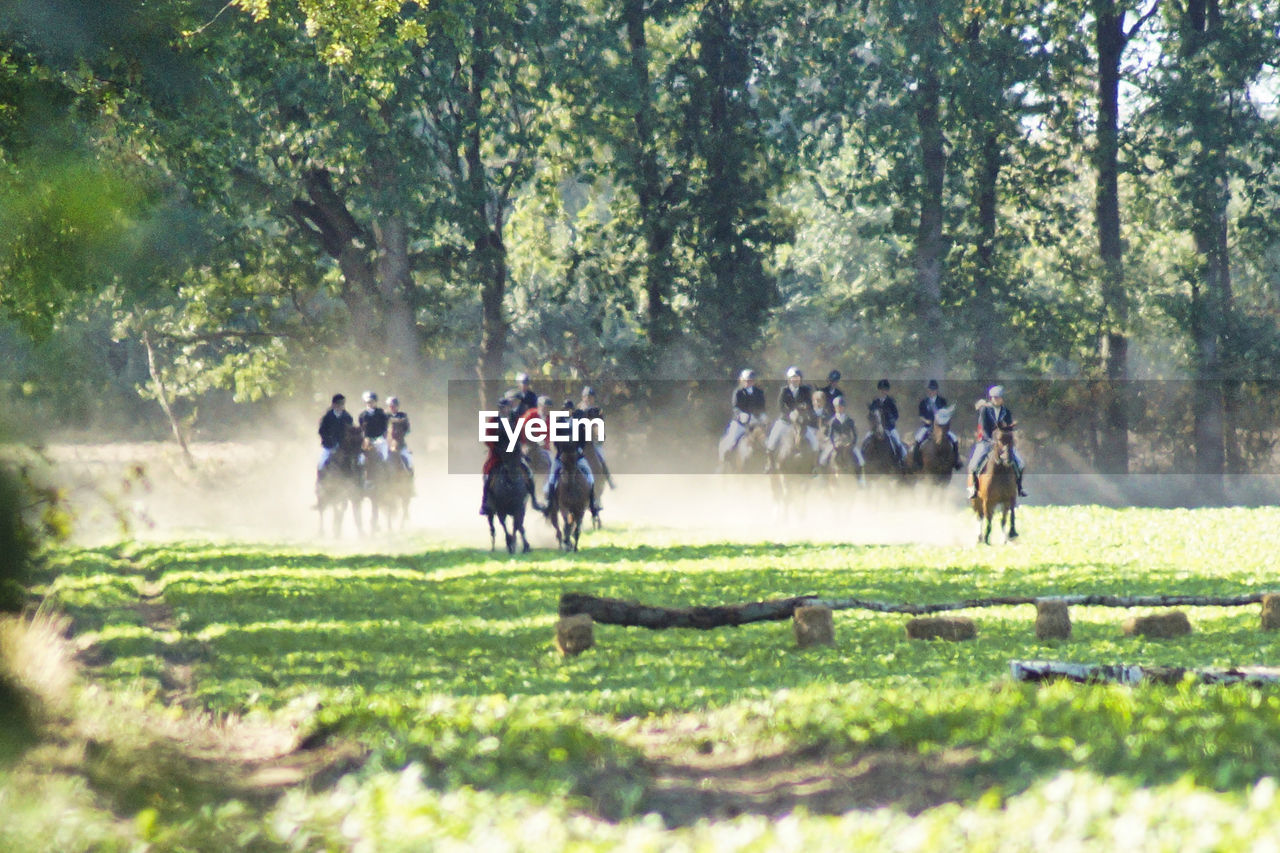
<point>973,485</point>
<point>595,503</point>
<point>484,497</point>
<point>1021,493</point>
<point>956,448</point>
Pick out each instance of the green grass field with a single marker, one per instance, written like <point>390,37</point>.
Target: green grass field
<point>434,667</point>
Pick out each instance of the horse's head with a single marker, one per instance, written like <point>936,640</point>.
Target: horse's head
<point>877,422</point>
<point>352,439</point>
<point>1004,443</point>
<point>396,432</point>
<point>802,416</point>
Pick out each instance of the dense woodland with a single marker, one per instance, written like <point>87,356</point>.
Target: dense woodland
<point>240,201</point>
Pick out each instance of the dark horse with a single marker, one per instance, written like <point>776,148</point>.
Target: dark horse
<point>935,456</point>
<point>507,494</point>
<point>396,489</point>
<point>794,458</point>
<point>997,487</point>
<point>340,483</point>
<point>878,452</point>
<point>570,500</point>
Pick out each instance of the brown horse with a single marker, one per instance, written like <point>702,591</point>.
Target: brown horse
<point>998,487</point>
<point>396,489</point>
<point>935,456</point>
<point>340,483</point>
<point>570,501</point>
<point>794,460</point>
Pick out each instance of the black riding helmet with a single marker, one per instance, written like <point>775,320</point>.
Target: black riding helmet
<point>833,376</point>
<point>882,385</point>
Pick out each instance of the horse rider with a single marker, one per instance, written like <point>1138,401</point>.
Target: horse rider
<point>794,393</point>
<point>497,452</point>
<point>563,447</point>
<point>888,410</point>
<point>748,411</point>
<point>840,425</point>
<point>396,415</point>
<point>831,389</point>
<point>992,413</point>
<point>526,398</point>
<point>334,424</point>
<point>929,407</point>
<point>373,422</point>
<point>541,412</point>
<point>591,411</point>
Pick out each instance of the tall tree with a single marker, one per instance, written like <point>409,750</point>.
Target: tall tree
<point>1111,37</point>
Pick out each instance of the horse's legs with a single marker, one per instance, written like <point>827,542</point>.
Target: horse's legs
<point>493,535</point>
<point>509,536</point>
<point>1013,520</point>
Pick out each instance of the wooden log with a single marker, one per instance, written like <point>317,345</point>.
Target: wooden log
<point>574,634</point>
<point>1053,620</point>
<point>814,626</point>
<point>1091,673</point>
<point>1270,612</point>
<point>612,611</point>
<point>941,628</point>
<point>1159,625</point>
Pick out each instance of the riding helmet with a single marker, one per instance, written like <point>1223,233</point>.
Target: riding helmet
<point>338,398</point>
<point>747,373</point>
<point>522,377</point>
<point>833,376</point>
<point>393,401</point>
<point>369,396</point>
<point>838,402</point>
<point>883,385</point>
<point>933,385</point>
<point>588,391</point>
<point>995,391</point>
<point>794,371</point>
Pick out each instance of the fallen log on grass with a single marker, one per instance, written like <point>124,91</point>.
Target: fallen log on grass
<point>613,611</point>
<point>1095,673</point>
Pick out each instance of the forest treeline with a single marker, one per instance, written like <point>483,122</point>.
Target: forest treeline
<point>202,198</point>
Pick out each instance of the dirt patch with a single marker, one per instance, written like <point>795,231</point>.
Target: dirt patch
<point>695,778</point>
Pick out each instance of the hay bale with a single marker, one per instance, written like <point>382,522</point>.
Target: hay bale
<point>1270,612</point>
<point>941,628</point>
<point>1174,623</point>
<point>1053,620</point>
<point>814,626</point>
<point>574,634</point>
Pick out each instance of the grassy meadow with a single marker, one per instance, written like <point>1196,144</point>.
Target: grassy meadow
<point>434,712</point>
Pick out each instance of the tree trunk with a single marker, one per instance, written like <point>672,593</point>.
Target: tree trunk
<point>612,611</point>
<point>654,213</point>
<point>1094,673</point>
<point>1113,343</point>
<point>395,283</point>
<point>929,248</point>
<point>489,250</point>
<point>986,357</point>
<point>162,397</point>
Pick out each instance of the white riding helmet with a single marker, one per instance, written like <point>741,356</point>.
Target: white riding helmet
<point>369,396</point>
<point>393,401</point>
<point>747,373</point>
<point>794,372</point>
<point>522,377</point>
<point>995,391</point>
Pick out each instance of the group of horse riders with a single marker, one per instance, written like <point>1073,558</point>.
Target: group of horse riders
<point>523,405</point>
<point>831,429</point>
<point>374,423</point>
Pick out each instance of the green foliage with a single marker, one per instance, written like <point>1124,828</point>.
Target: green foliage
<point>438,662</point>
